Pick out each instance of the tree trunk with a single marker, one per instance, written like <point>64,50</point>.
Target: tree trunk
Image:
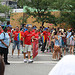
<point>42,23</point>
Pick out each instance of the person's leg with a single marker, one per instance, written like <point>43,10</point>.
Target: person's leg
<point>21,47</point>
<point>29,54</point>
<point>42,49</point>
<point>18,47</point>
<point>14,46</point>
<point>64,50</point>
<point>2,66</point>
<point>72,49</point>
<point>53,55</point>
<point>24,53</point>
<point>6,56</point>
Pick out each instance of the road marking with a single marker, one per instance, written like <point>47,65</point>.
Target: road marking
<point>35,62</point>
<point>37,55</point>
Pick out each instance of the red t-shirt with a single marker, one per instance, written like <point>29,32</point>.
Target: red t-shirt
<point>36,35</point>
<point>45,33</point>
<point>48,35</point>
<point>16,35</point>
<point>33,31</point>
<point>27,36</point>
<point>22,34</point>
<point>1,32</point>
<point>9,31</point>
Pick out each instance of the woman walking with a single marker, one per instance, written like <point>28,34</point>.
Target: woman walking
<point>4,45</point>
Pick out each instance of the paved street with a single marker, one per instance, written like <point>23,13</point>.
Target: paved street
<point>42,65</point>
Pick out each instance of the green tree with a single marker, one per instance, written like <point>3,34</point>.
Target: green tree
<point>41,10</point>
<point>4,9</point>
<point>67,11</point>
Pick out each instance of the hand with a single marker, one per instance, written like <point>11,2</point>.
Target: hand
<point>23,45</point>
<point>7,46</point>
<point>0,40</point>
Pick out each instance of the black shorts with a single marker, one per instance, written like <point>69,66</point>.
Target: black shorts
<point>3,50</point>
<point>52,44</point>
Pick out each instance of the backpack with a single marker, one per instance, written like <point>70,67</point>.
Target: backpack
<point>4,35</point>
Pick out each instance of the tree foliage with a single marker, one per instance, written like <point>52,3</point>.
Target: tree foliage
<point>4,9</point>
<point>67,11</point>
<point>42,12</point>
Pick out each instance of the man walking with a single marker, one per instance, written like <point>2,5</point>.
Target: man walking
<point>27,44</point>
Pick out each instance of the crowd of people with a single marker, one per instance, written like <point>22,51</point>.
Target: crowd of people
<point>54,40</point>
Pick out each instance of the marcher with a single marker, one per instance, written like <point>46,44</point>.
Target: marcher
<point>17,39</point>
<point>45,35</point>
<point>27,44</point>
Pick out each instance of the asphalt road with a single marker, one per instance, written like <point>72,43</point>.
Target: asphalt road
<point>42,64</point>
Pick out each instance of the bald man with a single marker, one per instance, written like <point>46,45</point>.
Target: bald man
<point>2,67</point>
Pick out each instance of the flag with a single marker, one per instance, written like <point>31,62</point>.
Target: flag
<point>19,37</point>
<point>43,39</point>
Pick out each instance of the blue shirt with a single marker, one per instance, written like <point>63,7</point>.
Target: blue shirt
<point>5,39</point>
<point>25,29</point>
<point>71,38</point>
<point>68,34</point>
<point>57,42</point>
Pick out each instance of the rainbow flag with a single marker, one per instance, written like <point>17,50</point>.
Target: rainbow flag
<point>19,37</point>
<point>43,39</point>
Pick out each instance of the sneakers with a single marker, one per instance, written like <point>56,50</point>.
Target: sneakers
<point>18,56</point>
<point>6,63</point>
<point>30,61</point>
<point>12,56</point>
<point>25,61</point>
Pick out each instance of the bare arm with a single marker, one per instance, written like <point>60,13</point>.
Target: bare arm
<point>4,43</point>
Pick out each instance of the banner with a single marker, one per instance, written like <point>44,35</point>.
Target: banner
<point>35,48</point>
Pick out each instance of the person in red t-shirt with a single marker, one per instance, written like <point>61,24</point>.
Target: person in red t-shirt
<point>16,41</point>
<point>45,33</point>
<point>9,30</point>
<point>36,34</point>
<point>28,36</point>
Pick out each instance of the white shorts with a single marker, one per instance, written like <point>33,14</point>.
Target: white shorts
<point>27,48</point>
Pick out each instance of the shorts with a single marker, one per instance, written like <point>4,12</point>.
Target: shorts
<point>68,41</point>
<point>3,51</point>
<point>72,42</point>
<point>56,48</point>
<point>52,44</point>
<point>16,43</point>
<point>63,46</point>
<point>27,48</point>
